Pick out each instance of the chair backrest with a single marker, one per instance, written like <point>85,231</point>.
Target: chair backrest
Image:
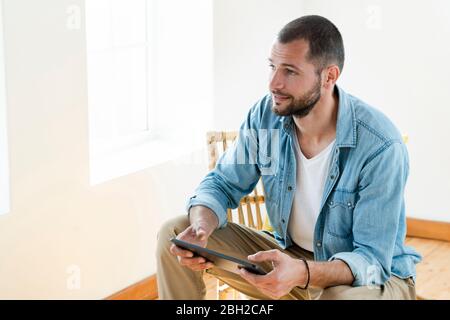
<point>253,204</point>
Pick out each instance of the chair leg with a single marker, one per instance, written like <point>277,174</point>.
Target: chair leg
<point>222,290</point>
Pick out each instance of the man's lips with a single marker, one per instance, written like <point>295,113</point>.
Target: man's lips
<point>280,98</point>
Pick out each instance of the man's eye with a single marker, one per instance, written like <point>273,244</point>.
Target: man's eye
<point>290,72</point>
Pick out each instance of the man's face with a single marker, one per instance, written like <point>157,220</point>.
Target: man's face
<point>295,83</point>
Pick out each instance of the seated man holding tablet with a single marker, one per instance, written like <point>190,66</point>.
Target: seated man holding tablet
<point>334,171</point>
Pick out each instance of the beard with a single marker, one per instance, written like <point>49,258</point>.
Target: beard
<point>301,106</point>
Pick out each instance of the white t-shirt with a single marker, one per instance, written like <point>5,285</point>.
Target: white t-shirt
<point>311,177</point>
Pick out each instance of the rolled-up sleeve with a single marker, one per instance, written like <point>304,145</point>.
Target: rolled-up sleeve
<point>377,214</point>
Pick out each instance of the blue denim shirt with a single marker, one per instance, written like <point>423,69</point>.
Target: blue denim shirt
<point>362,218</point>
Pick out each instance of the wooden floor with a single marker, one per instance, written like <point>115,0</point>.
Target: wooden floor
<point>433,273</point>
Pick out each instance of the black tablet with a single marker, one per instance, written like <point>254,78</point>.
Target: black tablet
<point>220,260</point>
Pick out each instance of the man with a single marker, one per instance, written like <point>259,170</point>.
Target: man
<point>334,187</point>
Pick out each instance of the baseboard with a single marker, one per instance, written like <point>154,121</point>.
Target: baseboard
<point>428,229</point>
<point>145,289</point>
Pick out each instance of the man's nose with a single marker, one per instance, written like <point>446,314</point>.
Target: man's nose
<point>276,81</point>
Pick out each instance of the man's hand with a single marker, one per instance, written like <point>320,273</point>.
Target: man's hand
<point>196,234</point>
<point>287,273</point>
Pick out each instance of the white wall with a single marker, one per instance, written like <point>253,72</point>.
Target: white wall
<point>397,60</point>
<point>57,220</point>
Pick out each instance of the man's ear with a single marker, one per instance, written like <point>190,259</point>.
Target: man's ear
<point>331,75</point>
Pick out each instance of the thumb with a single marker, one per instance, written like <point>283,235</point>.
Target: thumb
<point>270,255</point>
<point>201,234</point>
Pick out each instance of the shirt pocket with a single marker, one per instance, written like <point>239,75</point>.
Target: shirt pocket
<point>339,220</point>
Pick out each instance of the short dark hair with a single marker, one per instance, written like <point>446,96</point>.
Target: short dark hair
<point>324,39</point>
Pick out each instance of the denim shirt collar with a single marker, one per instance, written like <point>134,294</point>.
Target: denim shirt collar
<point>346,121</point>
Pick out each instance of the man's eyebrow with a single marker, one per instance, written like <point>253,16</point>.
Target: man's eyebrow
<point>287,65</point>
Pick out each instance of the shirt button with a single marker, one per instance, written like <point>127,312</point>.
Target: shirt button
<point>319,244</point>
<point>283,221</point>
<point>349,204</point>
<point>331,203</point>
<point>289,188</point>
<point>332,177</point>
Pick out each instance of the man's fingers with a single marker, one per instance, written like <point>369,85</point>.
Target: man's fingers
<point>202,266</point>
<point>191,261</point>
<point>250,277</point>
<point>180,252</point>
<point>270,255</point>
<point>256,279</point>
<point>259,282</point>
<point>197,263</point>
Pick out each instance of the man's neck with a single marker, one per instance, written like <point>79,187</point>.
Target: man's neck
<point>320,124</point>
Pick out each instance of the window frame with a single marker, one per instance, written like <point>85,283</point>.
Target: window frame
<point>106,155</point>
<point>170,139</point>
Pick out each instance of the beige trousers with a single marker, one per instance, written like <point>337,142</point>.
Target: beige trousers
<point>178,282</point>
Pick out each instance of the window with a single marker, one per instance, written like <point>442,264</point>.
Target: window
<point>149,68</point>
<point>4,167</point>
